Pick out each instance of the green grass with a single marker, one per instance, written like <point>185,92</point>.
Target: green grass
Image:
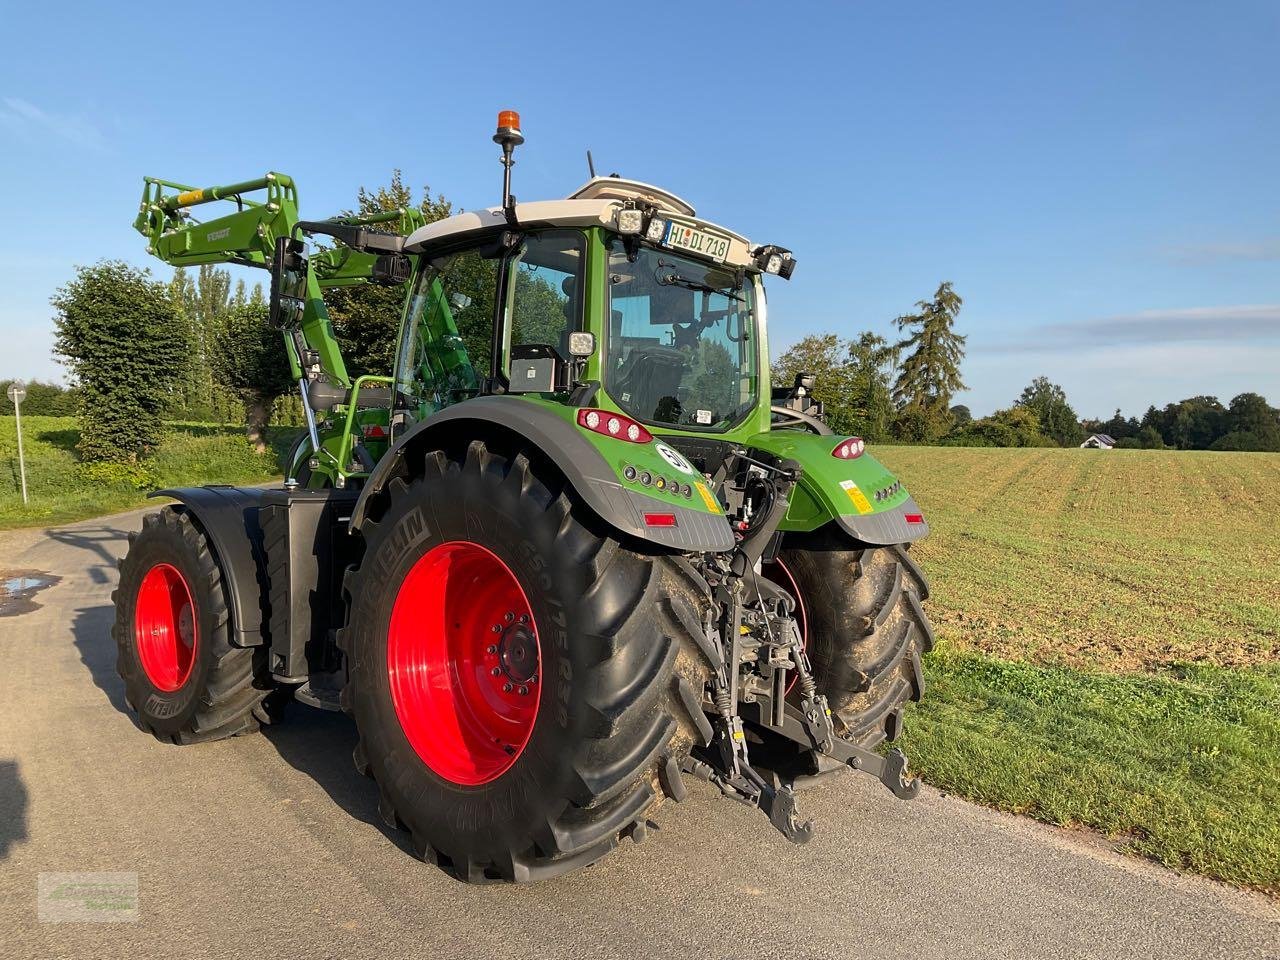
<point>61,492</point>
<point>1109,645</point>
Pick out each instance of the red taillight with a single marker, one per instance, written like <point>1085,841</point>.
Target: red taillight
<point>849,449</point>
<point>659,519</point>
<point>915,518</point>
<point>613,425</point>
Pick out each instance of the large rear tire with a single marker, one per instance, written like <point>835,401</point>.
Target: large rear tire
<point>525,686</point>
<point>864,627</point>
<point>182,676</point>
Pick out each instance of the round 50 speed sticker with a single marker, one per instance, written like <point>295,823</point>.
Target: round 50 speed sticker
<point>673,457</point>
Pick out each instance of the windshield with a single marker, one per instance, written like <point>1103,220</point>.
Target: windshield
<point>681,340</point>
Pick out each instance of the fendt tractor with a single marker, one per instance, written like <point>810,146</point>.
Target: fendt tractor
<point>571,554</point>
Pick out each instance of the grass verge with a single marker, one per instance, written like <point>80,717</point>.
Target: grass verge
<point>62,491</point>
<point>1183,768</point>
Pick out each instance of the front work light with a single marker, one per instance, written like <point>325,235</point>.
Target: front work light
<point>657,229</point>
<point>630,220</point>
<point>776,260</point>
<point>582,343</point>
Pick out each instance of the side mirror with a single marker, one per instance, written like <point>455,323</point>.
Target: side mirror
<point>390,270</point>
<point>582,344</point>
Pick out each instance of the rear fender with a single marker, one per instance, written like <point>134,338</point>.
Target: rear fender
<point>545,428</point>
<point>861,496</point>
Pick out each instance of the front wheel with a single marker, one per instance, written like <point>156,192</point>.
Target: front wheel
<point>525,686</point>
<point>182,676</point>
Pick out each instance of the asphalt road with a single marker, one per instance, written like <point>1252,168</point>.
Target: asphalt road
<point>270,845</point>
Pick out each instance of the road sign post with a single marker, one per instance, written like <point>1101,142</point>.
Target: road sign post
<point>17,393</point>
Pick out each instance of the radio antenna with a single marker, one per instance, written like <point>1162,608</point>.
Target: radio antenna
<point>591,167</point>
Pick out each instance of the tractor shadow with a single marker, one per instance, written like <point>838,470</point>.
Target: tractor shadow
<point>14,801</point>
<point>314,742</point>
<point>318,743</point>
<point>91,633</point>
<point>95,540</point>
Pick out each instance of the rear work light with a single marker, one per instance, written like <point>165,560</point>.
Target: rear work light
<point>849,449</point>
<point>613,425</point>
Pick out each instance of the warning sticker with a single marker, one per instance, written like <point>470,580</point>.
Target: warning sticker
<point>860,501</point>
<point>707,498</point>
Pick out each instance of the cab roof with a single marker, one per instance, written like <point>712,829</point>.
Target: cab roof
<point>594,204</point>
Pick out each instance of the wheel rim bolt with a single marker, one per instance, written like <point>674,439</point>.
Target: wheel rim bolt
<point>497,628</point>
<point>493,648</point>
<point>524,691</point>
<point>524,618</point>
<point>496,671</point>
<point>510,616</point>
<point>506,688</point>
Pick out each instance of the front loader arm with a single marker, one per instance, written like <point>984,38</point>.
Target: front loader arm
<point>247,236</point>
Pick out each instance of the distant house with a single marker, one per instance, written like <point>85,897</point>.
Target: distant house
<point>1098,441</point>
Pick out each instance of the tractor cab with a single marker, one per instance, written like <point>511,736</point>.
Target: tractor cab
<point>619,292</point>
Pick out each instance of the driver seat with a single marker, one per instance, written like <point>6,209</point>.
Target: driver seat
<point>648,375</point>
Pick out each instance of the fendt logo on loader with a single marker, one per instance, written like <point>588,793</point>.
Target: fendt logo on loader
<point>490,557</point>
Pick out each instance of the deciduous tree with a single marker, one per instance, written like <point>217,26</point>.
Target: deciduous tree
<point>1048,402</point>
<point>366,317</point>
<point>120,334</point>
<point>250,358</point>
<point>825,356</point>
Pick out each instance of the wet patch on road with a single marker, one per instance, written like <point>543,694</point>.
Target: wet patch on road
<point>18,589</point>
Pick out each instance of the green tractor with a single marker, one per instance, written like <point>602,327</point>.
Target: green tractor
<point>573,552</point>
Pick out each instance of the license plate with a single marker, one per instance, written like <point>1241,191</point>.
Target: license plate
<point>680,237</point>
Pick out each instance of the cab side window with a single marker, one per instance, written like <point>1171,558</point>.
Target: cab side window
<point>547,289</point>
<point>448,331</point>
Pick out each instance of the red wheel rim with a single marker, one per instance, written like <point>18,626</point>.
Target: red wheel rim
<point>463,661</point>
<point>779,574</point>
<point>164,627</point>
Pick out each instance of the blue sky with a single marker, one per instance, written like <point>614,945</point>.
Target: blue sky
<point>1099,180</point>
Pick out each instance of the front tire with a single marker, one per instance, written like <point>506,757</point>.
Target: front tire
<point>182,676</point>
<point>483,578</point>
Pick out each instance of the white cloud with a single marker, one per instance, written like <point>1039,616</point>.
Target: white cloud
<point>30,123</point>
<point>1130,376</point>
<point>1197,254</point>
<point>1248,323</point>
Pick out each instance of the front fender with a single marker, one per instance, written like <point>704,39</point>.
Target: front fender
<point>861,496</point>
<point>229,518</point>
<point>583,458</point>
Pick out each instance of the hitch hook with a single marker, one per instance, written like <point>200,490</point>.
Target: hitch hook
<point>780,805</point>
<point>891,770</point>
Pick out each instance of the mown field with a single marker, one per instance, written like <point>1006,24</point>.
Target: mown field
<point>61,491</point>
<point>1109,645</point>
<point>1108,623</point>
